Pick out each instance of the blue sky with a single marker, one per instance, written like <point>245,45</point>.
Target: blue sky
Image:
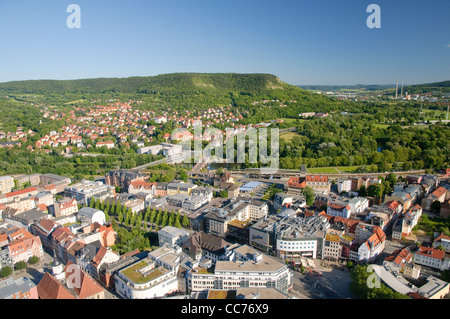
<point>301,41</point>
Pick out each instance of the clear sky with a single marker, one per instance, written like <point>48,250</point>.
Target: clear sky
<point>301,41</point>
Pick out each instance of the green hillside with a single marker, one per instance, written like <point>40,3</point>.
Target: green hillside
<point>183,91</point>
<point>442,87</point>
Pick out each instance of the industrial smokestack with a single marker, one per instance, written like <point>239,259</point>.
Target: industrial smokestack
<point>396,90</point>
<point>401,94</point>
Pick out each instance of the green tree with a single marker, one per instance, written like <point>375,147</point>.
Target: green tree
<point>308,192</point>
<point>375,190</point>
<point>6,272</point>
<point>33,260</point>
<point>20,265</point>
<point>185,221</point>
<point>107,218</point>
<point>223,194</point>
<point>159,217</point>
<point>112,209</point>
<point>171,218</point>
<point>152,216</point>
<point>119,208</point>
<point>165,219</point>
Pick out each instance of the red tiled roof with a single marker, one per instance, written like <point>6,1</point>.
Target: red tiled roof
<point>296,182</point>
<point>50,288</point>
<point>87,286</point>
<point>22,191</point>
<point>442,236</point>
<point>430,252</point>
<point>439,192</point>
<point>316,178</point>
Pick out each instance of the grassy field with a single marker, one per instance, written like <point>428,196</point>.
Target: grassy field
<point>332,170</point>
<point>289,136</point>
<point>323,170</point>
<point>292,121</point>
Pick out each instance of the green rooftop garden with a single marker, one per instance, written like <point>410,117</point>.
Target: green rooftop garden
<point>134,275</point>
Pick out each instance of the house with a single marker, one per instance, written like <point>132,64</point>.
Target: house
<point>65,206</point>
<point>44,229</point>
<point>141,186</point>
<point>405,225</point>
<point>24,247</point>
<point>319,183</point>
<point>62,240</point>
<point>369,243</point>
<point>107,144</point>
<point>201,244</point>
<point>104,255</point>
<point>123,178</point>
<point>442,240</point>
<point>339,209</point>
<point>438,195</point>
<point>431,257</point>
<point>83,286</point>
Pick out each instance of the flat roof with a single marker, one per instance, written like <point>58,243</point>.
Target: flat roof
<point>250,185</point>
<point>389,279</point>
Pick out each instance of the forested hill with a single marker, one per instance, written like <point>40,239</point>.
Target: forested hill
<point>187,91</point>
<point>442,87</point>
<point>175,82</point>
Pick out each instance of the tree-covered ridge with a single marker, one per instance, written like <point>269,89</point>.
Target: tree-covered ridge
<point>179,82</point>
<point>177,90</point>
<point>443,87</point>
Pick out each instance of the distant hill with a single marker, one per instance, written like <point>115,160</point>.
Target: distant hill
<point>250,83</point>
<point>442,87</point>
<point>369,87</point>
<point>185,91</point>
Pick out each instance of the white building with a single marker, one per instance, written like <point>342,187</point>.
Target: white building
<point>339,209</point>
<point>153,150</point>
<point>344,185</point>
<point>442,240</point>
<point>300,237</point>
<point>92,215</point>
<point>85,190</point>
<point>249,268</point>
<point>358,205</point>
<point>146,279</point>
<point>430,257</point>
<point>172,236</point>
<point>6,184</point>
<point>370,243</point>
